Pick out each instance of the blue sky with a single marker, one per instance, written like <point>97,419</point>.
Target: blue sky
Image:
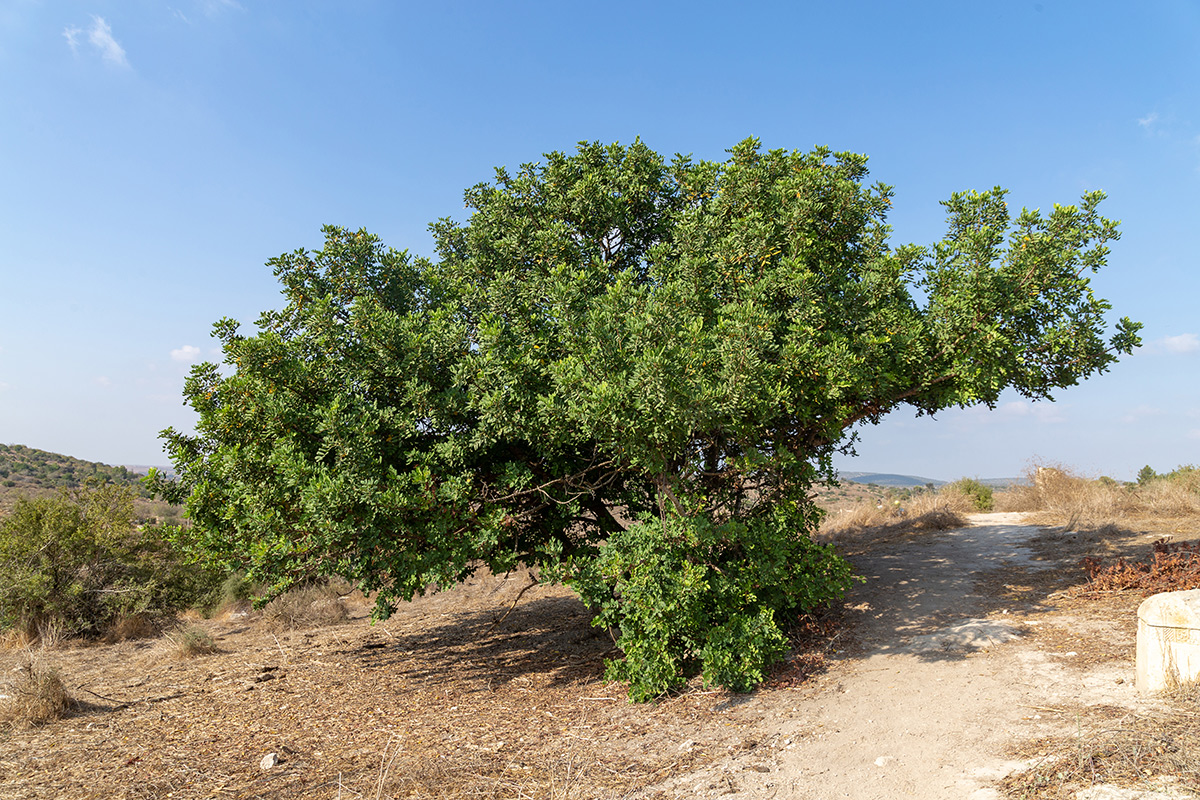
<point>153,155</point>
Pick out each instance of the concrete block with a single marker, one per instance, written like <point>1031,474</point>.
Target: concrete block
<point>1168,640</point>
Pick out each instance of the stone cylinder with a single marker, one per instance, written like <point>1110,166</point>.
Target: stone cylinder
<point>1168,641</point>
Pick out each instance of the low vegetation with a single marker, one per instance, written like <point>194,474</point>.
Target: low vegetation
<point>898,510</point>
<point>191,641</point>
<point>77,563</point>
<point>1058,496</point>
<point>35,695</point>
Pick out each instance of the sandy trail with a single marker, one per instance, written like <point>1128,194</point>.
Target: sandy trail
<point>942,681</point>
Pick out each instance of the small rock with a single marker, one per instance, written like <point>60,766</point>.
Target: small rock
<point>687,746</point>
<point>883,761</point>
<point>269,760</point>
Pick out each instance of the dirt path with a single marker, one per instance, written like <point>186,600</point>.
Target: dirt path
<point>945,676</point>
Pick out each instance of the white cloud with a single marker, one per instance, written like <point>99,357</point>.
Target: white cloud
<point>4,386</point>
<point>1016,410</point>
<point>1181,344</point>
<point>100,36</point>
<point>71,34</point>
<point>186,354</point>
<point>102,380</point>
<point>1194,433</point>
<point>1149,121</point>
<point>1140,413</point>
<point>102,39</point>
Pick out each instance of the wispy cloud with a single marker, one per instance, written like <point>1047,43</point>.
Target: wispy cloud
<point>102,380</point>
<point>100,36</point>
<point>214,7</point>
<point>71,34</point>
<point>186,354</point>
<point>1140,413</point>
<point>1149,121</point>
<point>1014,411</point>
<point>1181,345</point>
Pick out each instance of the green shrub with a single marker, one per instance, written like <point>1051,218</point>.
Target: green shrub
<point>979,494</point>
<point>77,562</point>
<point>691,597</point>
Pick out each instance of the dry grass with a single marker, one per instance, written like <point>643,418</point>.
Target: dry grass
<point>447,699</point>
<point>132,626</point>
<point>1112,746</point>
<point>924,511</point>
<point>35,697</point>
<point>313,606</point>
<point>191,642</point>
<point>1059,496</point>
<point>29,633</point>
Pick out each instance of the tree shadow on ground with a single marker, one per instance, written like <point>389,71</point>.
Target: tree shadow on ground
<point>549,637</point>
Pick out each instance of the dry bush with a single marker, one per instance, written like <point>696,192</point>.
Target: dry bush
<point>312,606</point>
<point>132,626</point>
<point>1169,498</point>
<point>926,511</point>
<point>1173,567</point>
<point>1065,498</point>
<point>190,642</point>
<point>37,696</point>
<point>1068,499</point>
<point>934,503</point>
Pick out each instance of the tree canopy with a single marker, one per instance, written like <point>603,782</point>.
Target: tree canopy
<point>627,372</point>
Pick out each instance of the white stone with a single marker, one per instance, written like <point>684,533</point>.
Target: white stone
<point>1168,640</point>
<point>269,760</point>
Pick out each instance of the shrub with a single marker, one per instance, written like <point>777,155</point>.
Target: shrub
<point>1173,567</point>
<point>692,597</point>
<point>980,494</point>
<point>77,562</point>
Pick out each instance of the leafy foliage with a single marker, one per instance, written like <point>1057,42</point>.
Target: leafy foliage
<point>613,338</point>
<point>77,563</point>
<point>979,493</point>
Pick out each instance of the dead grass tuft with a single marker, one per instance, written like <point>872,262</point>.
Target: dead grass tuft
<point>314,606</point>
<point>37,696</point>
<point>47,634</point>
<point>191,642</point>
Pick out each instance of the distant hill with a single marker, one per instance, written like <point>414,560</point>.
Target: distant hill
<point>887,479</point>
<point>23,467</point>
<point>891,479</point>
